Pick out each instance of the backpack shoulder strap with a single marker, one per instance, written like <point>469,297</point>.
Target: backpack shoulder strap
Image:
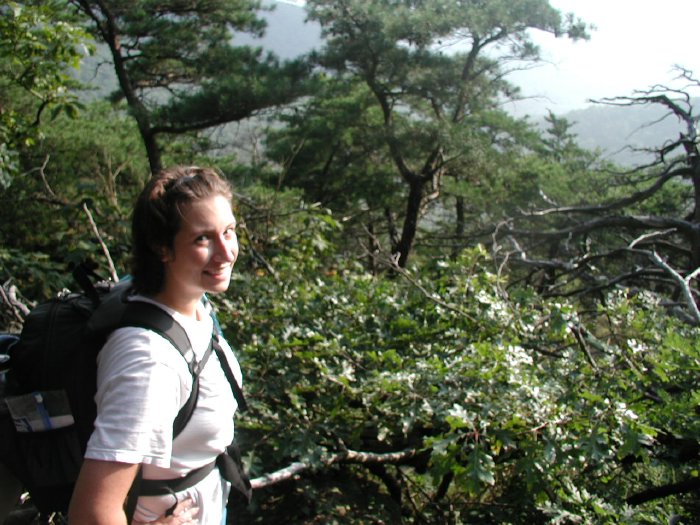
<point>116,311</point>
<point>151,317</point>
<point>235,387</point>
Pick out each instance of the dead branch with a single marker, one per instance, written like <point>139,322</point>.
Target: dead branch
<point>622,203</point>
<point>8,294</point>
<point>105,250</point>
<point>617,221</point>
<point>580,269</point>
<point>392,262</point>
<point>348,456</point>
<point>683,282</point>
<point>51,196</point>
<point>256,254</point>
<point>42,174</point>
<point>578,332</point>
<point>651,236</point>
<point>650,97</point>
<point>664,491</point>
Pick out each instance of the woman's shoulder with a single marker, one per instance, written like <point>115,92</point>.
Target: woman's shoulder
<point>146,345</point>
<point>133,346</point>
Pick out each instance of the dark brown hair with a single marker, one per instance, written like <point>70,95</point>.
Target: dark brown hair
<point>158,215</point>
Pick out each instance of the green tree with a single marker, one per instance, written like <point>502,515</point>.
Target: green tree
<point>178,69</point>
<point>87,170</point>
<point>39,45</point>
<point>425,96</point>
<point>328,146</point>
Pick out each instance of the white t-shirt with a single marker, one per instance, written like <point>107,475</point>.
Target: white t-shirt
<point>142,382</point>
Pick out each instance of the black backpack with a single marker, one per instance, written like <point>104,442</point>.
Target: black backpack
<point>48,412</point>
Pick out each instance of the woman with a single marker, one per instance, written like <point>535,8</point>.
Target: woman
<point>184,245</point>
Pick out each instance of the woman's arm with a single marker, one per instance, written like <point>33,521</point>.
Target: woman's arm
<point>102,487</point>
<point>100,492</point>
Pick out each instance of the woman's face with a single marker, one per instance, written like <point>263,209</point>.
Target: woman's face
<point>204,250</point>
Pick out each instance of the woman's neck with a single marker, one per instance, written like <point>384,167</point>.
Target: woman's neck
<point>184,306</point>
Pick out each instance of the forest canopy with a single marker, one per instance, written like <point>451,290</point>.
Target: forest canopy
<point>444,313</point>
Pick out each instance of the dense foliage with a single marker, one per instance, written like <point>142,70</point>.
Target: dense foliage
<point>532,362</point>
<point>481,405</point>
<point>39,44</point>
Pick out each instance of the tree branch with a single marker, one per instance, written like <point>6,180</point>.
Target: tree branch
<point>684,284</point>
<point>663,491</point>
<point>105,250</point>
<point>349,456</point>
<point>8,294</point>
<point>620,221</point>
<point>622,203</point>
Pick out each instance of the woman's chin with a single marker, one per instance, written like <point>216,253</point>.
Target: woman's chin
<point>218,283</point>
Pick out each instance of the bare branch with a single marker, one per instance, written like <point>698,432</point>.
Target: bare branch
<point>664,491</point>
<point>257,255</point>
<point>622,203</point>
<point>650,236</point>
<point>8,294</point>
<point>578,332</point>
<point>392,262</point>
<point>42,173</point>
<point>105,250</point>
<point>620,221</point>
<point>50,196</point>
<point>348,456</point>
<point>684,283</point>
<point>279,475</point>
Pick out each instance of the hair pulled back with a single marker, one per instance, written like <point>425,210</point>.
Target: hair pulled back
<point>158,215</point>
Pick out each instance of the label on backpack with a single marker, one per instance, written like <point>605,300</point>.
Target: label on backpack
<point>40,411</point>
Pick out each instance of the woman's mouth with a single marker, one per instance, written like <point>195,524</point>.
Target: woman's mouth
<point>219,273</point>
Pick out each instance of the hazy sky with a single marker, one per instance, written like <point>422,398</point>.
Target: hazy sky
<point>635,45</point>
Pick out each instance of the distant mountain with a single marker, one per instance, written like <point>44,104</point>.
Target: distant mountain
<point>617,130</point>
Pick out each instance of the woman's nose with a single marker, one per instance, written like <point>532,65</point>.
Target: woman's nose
<point>226,249</point>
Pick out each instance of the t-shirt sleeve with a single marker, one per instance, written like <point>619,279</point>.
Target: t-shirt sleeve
<point>142,382</point>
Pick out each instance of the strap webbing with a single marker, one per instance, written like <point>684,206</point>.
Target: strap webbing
<point>151,317</point>
<point>235,387</point>
<point>158,487</point>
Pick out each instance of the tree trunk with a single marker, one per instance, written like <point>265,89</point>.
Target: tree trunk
<point>152,149</point>
<point>694,160</point>
<point>106,24</point>
<point>460,225</point>
<point>410,223</point>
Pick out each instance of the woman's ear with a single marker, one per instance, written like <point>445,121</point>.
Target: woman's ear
<point>164,253</point>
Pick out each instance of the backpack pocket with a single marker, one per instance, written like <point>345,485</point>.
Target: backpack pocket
<point>40,411</point>
<point>46,461</point>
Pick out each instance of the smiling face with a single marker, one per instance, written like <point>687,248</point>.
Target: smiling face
<point>204,251</point>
